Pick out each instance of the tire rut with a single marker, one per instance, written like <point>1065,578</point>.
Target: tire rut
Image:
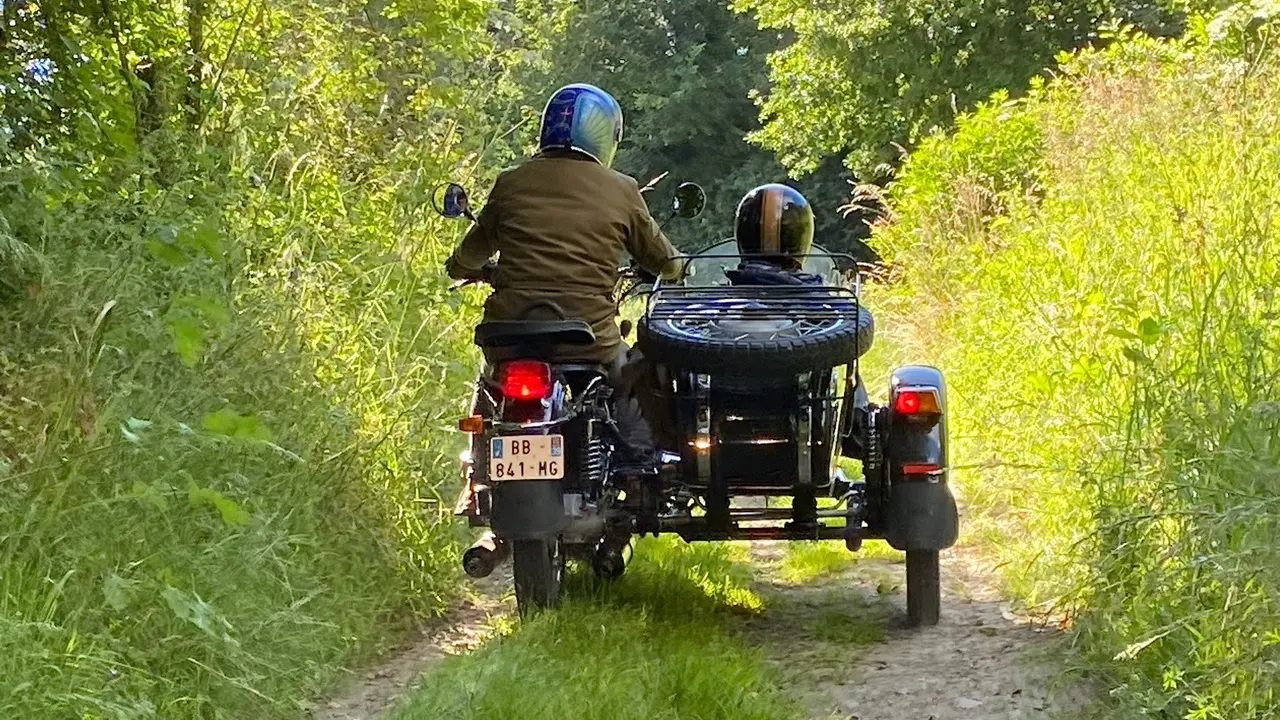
<point>840,643</point>
<point>845,641</point>
<point>380,689</point>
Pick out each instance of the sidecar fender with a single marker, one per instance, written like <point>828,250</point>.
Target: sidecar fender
<point>920,512</point>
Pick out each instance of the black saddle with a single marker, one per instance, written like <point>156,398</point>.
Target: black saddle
<point>535,333</point>
<point>526,333</point>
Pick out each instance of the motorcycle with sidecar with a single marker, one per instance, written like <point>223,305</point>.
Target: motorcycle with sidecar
<point>761,397</point>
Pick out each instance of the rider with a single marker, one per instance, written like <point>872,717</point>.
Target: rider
<point>560,222</point>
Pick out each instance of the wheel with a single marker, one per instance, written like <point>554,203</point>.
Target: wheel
<point>538,566</point>
<point>924,587</point>
<point>704,338</point>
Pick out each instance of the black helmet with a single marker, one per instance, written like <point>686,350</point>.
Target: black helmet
<point>774,223</point>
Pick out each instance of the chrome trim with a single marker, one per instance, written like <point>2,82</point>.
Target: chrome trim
<point>804,434</point>
<point>702,435</point>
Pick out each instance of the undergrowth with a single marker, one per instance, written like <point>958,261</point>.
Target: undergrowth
<point>229,365</point>
<point>1096,268</point>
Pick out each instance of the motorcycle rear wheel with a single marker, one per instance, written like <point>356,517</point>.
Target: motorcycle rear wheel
<point>538,566</point>
<point>924,588</point>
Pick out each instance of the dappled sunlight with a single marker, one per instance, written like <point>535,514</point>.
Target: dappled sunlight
<point>673,580</point>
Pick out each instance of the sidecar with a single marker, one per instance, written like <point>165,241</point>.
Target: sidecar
<point>760,397</point>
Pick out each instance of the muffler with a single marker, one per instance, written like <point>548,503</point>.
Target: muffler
<point>610,558</point>
<point>485,555</point>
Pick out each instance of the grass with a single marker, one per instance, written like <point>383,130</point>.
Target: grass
<point>805,562</point>
<point>658,643</point>
<point>223,443</point>
<point>1094,268</point>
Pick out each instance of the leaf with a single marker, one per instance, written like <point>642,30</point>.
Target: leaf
<point>167,252</point>
<point>233,515</point>
<point>232,424</point>
<point>1150,330</point>
<point>191,609</point>
<point>1123,334</point>
<point>1137,356</point>
<point>118,591</point>
<point>208,306</point>
<point>137,425</point>
<point>188,340</point>
<point>207,238</point>
<point>151,495</point>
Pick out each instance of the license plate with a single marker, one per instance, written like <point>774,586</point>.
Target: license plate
<point>526,457</point>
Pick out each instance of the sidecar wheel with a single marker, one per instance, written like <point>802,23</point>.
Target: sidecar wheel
<point>538,566</point>
<point>924,588</point>
<point>707,346</point>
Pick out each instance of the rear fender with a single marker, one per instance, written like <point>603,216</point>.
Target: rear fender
<point>530,509</point>
<point>921,511</point>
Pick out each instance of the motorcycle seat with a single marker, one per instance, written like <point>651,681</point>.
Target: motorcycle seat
<point>525,333</point>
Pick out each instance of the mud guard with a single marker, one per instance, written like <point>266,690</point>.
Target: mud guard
<point>921,511</point>
<point>527,510</point>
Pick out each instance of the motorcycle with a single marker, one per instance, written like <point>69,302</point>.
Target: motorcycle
<point>763,394</point>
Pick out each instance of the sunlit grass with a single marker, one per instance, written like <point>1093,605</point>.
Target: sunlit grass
<point>804,562</point>
<point>1107,325</point>
<point>658,643</point>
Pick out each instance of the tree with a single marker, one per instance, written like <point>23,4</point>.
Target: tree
<point>683,71</point>
<point>867,78</point>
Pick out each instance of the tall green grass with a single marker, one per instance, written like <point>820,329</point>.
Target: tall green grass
<point>1096,270</point>
<point>224,446</point>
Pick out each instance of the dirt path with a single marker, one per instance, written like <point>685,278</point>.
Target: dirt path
<point>840,640</point>
<point>981,662</point>
<point>378,690</point>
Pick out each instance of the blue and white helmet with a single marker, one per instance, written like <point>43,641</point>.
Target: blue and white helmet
<point>584,118</point>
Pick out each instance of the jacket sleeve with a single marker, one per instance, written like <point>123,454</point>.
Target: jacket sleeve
<point>481,241</point>
<point>648,245</point>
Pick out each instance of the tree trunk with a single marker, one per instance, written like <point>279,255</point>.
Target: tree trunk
<point>195,72</point>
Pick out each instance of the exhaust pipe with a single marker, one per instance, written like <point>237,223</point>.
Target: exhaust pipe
<point>485,555</point>
<point>609,560</point>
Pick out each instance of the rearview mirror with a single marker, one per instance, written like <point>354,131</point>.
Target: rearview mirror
<point>690,200</point>
<point>451,201</point>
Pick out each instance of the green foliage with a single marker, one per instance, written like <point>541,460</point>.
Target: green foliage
<point>683,73</point>
<point>866,79</point>
<point>1110,339</point>
<point>808,561</point>
<point>228,364</point>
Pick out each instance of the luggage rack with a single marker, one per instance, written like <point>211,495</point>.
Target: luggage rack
<point>742,302</point>
<point>829,301</point>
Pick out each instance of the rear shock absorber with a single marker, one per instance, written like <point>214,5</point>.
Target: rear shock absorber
<point>873,465</point>
<point>592,464</point>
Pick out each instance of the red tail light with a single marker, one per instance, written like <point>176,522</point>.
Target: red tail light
<point>525,380</point>
<point>917,402</point>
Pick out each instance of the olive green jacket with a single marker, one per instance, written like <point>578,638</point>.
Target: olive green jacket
<point>559,224</point>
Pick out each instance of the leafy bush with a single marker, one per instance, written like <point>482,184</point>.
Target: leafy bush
<point>1111,343</point>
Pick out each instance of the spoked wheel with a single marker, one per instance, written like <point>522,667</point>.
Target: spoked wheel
<point>924,587</point>
<point>738,337</point>
<point>538,566</point>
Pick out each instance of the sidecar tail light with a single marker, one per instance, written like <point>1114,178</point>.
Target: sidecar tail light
<point>918,402</point>
<point>525,380</point>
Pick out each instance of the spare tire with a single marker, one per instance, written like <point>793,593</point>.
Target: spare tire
<point>776,346</point>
